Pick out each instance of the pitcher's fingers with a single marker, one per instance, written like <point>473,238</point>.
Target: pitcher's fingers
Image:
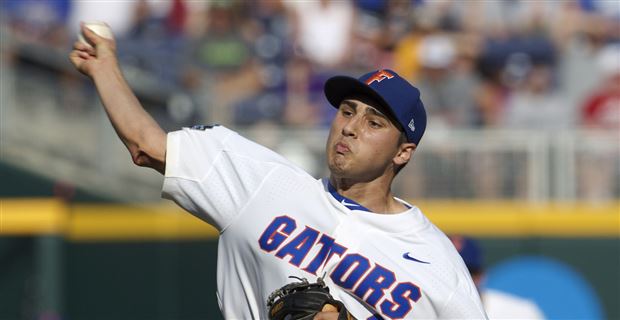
<point>84,55</point>
<point>329,308</point>
<point>326,316</point>
<point>78,45</point>
<point>74,57</point>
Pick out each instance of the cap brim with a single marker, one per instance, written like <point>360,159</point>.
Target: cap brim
<point>339,88</point>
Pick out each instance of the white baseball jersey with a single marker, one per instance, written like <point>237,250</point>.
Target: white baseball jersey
<point>276,221</point>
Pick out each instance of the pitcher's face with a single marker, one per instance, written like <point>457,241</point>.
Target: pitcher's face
<point>362,142</point>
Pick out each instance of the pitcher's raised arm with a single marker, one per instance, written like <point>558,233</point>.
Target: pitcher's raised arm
<point>142,136</point>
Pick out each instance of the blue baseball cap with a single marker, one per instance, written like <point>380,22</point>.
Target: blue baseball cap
<point>395,94</point>
<point>470,251</point>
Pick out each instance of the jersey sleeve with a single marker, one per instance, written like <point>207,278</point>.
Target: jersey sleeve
<point>213,172</point>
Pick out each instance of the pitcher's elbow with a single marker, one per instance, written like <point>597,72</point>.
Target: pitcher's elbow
<point>143,159</point>
<point>139,158</point>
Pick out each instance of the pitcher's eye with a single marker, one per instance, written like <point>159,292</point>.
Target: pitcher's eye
<point>375,124</point>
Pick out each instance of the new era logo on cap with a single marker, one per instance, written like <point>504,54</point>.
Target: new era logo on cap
<point>393,92</point>
<point>411,125</point>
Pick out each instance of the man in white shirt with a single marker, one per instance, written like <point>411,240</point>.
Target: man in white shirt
<point>378,254</point>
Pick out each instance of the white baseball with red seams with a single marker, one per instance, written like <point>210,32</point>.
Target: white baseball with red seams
<point>99,28</point>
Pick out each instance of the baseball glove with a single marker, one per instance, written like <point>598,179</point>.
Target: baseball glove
<point>302,301</point>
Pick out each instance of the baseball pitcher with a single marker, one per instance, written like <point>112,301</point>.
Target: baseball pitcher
<point>354,250</point>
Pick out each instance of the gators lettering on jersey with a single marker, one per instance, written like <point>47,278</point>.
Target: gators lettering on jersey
<point>369,281</point>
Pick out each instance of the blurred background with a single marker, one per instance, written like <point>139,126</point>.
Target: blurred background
<point>522,150</point>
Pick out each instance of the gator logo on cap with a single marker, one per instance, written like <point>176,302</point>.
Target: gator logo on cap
<point>379,76</point>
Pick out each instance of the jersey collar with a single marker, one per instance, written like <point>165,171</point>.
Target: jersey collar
<point>349,203</point>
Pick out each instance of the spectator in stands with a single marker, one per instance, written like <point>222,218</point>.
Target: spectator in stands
<point>302,103</point>
<point>378,29</point>
<point>448,93</point>
<point>599,166</point>
<point>407,48</point>
<point>537,104</point>
<point>601,109</point>
<point>323,30</point>
<point>580,34</point>
<point>268,31</point>
<point>221,60</point>
<point>222,48</point>
<point>154,41</point>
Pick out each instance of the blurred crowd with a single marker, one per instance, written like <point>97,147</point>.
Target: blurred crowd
<point>510,64</point>
<point>257,65</point>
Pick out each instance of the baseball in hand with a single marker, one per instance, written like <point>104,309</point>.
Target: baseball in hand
<point>99,28</point>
